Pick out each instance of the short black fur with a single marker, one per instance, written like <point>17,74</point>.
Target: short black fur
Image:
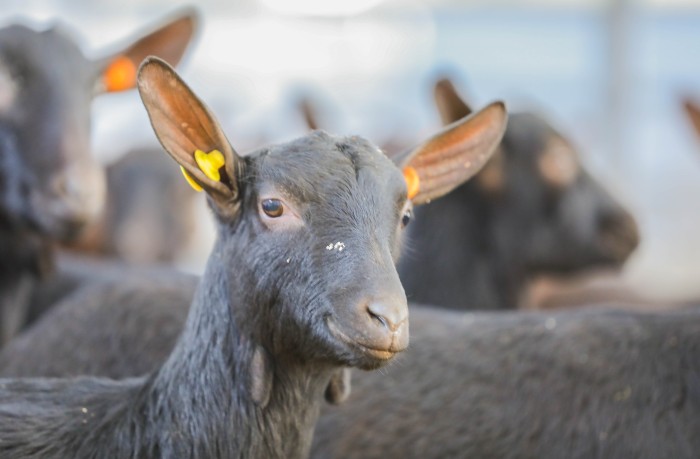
<point>262,289</point>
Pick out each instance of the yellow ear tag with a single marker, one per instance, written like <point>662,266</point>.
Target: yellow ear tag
<point>120,75</point>
<point>412,181</point>
<point>189,179</point>
<point>210,163</point>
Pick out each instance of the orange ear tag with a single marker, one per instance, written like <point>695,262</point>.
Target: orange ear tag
<point>120,75</point>
<point>190,180</point>
<point>412,181</point>
<point>210,163</point>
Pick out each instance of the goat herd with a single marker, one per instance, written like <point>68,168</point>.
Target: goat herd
<point>102,359</point>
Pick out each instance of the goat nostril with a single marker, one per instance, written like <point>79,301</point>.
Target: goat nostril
<point>390,317</point>
<point>378,317</point>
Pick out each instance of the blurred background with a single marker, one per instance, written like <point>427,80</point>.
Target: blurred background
<point>609,74</point>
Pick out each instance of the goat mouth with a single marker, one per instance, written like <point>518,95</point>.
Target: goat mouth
<point>379,354</point>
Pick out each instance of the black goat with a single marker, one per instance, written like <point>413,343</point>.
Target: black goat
<point>301,282</point>
<point>589,383</point>
<point>76,271</point>
<point>532,210</point>
<point>49,184</point>
<point>105,327</point>
<point>574,384</point>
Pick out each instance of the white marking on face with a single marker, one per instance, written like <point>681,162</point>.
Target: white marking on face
<point>338,246</point>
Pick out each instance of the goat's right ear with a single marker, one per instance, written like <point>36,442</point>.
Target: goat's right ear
<point>693,112</point>
<point>454,155</point>
<point>449,104</point>
<point>168,41</point>
<point>190,134</point>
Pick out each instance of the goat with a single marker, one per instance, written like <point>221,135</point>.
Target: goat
<point>50,186</point>
<point>301,283</point>
<point>510,384</point>
<point>110,335</point>
<point>574,384</point>
<point>532,210</point>
<point>144,197</point>
<point>75,272</point>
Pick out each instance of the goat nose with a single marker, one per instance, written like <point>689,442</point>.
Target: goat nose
<point>389,314</point>
<point>620,234</point>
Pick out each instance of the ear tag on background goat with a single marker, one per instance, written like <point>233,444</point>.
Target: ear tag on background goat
<point>412,181</point>
<point>209,163</point>
<point>120,75</point>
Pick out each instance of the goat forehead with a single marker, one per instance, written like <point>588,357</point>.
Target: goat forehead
<point>320,166</point>
<point>51,52</point>
<point>527,134</point>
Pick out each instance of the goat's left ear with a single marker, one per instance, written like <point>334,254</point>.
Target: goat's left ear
<point>168,41</point>
<point>454,155</point>
<point>191,135</point>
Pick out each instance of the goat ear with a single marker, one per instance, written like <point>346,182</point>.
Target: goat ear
<point>693,112</point>
<point>309,112</point>
<point>338,388</point>
<point>168,41</point>
<point>454,155</point>
<point>449,104</point>
<point>190,134</point>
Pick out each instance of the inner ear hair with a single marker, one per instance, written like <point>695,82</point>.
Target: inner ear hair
<point>184,125</point>
<point>454,155</point>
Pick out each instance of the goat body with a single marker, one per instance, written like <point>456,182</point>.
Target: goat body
<point>589,383</point>
<point>301,283</point>
<point>533,210</point>
<point>50,185</point>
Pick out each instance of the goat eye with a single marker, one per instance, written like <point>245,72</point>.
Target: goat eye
<point>272,207</point>
<point>406,218</point>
